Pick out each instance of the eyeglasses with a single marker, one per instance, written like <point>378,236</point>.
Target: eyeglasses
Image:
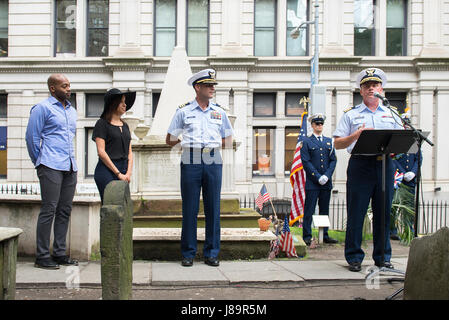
<point>319,123</point>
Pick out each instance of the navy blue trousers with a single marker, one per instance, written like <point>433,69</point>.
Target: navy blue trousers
<point>364,182</point>
<point>200,172</point>
<point>312,196</point>
<point>103,175</point>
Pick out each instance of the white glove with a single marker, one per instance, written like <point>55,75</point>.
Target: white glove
<point>323,179</point>
<point>408,176</point>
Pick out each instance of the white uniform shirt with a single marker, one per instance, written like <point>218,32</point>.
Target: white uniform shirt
<point>200,128</point>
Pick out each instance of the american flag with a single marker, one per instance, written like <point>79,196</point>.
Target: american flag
<point>398,176</point>
<point>263,197</point>
<point>298,176</point>
<point>287,244</point>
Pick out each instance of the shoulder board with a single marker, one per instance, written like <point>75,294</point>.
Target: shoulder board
<point>348,109</point>
<point>183,105</point>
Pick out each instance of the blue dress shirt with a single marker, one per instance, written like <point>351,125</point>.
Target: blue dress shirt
<point>200,128</point>
<point>50,133</point>
<point>381,118</point>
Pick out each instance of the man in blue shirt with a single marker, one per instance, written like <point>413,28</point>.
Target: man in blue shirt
<point>49,138</point>
<point>319,160</point>
<point>205,128</point>
<point>364,173</point>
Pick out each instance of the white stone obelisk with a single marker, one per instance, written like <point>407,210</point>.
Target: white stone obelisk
<point>175,92</point>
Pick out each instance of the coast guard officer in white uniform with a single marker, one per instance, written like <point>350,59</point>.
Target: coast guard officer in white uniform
<point>205,128</point>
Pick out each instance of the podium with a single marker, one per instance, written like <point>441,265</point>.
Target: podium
<point>384,142</point>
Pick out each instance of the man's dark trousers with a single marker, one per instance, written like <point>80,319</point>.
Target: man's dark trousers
<point>57,191</point>
<point>364,182</point>
<point>200,170</point>
<point>323,196</point>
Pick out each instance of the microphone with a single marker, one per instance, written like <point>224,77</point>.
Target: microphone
<point>381,97</point>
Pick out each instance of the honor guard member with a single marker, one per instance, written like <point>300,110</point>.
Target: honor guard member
<point>205,128</point>
<point>407,163</point>
<point>319,160</point>
<point>364,178</point>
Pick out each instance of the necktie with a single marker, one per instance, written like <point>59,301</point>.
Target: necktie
<point>319,138</point>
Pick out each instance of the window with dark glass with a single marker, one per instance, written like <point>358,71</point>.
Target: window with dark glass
<point>263,151</point>
<point>65,26</point>
<point>265,28</point>
<point>164,27</point>
<point>3,137</point>
<point>291,137</point>
<point>4,28</point>
<point>396,99</point>
<point>97,28</point>
<point>3,105</point>
<point>364,31</point>
<point>297,13</point>
<point>294,103</point>
<point>264,104</point>
<point>73,99</point>
<point>156,96</point>
<point>94,104</point>
<point>197,27</point>
<point>396,27</point>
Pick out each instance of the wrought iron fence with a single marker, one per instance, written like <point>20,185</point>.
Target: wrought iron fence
<point>433,214</point>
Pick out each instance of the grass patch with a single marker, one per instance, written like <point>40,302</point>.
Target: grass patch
<point>336,234</point>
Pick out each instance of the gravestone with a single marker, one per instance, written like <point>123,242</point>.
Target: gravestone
<point>116,243</point>
<point>8,260</point>
<point>427,276</point>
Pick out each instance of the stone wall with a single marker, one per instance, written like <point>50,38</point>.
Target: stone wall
<point>83,236</point>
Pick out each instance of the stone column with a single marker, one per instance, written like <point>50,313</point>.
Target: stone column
<point>241,134</point>
<point>129,29</point>
<point>433,29</point>
<point>230,39</point>
<point>279,156</point>
<point>426,123</point>
<point>440,148</point>
<point>343,100</point>
<point>333,29</point>
<point>181,23</point>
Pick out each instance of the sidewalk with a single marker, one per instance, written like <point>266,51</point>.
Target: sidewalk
<point>149,273</point>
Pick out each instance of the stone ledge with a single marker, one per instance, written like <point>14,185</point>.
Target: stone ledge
<point>227,234</point>
<point>8,233</point>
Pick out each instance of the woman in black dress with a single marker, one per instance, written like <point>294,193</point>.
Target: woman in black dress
<point>113,140</point>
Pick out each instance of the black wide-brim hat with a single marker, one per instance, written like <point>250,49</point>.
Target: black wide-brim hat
<point>130,97</point>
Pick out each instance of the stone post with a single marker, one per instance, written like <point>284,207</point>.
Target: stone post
<point>9,238</point>
<point>428,262</point>
<point>116,243</point>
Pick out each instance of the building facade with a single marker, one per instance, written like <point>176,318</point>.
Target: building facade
<point>262,72</point>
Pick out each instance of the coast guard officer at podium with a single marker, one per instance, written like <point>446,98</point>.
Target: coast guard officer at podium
<point>319,160</point>
<point>205,128</point>
<point>364,173</point>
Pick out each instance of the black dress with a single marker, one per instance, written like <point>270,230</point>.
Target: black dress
<point>117,140</point>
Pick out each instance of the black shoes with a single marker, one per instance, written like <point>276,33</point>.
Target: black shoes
<point>65,261</point>
<point>46,263</point>
<point>387,264</point>
<point>394,237</point>
<point>355,266</point>
<point>330,240</point>
<point>187,262</point>
<point>213,262</point>
<point>308,242</point>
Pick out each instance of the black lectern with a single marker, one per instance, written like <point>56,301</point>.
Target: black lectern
<point>384,142</point>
